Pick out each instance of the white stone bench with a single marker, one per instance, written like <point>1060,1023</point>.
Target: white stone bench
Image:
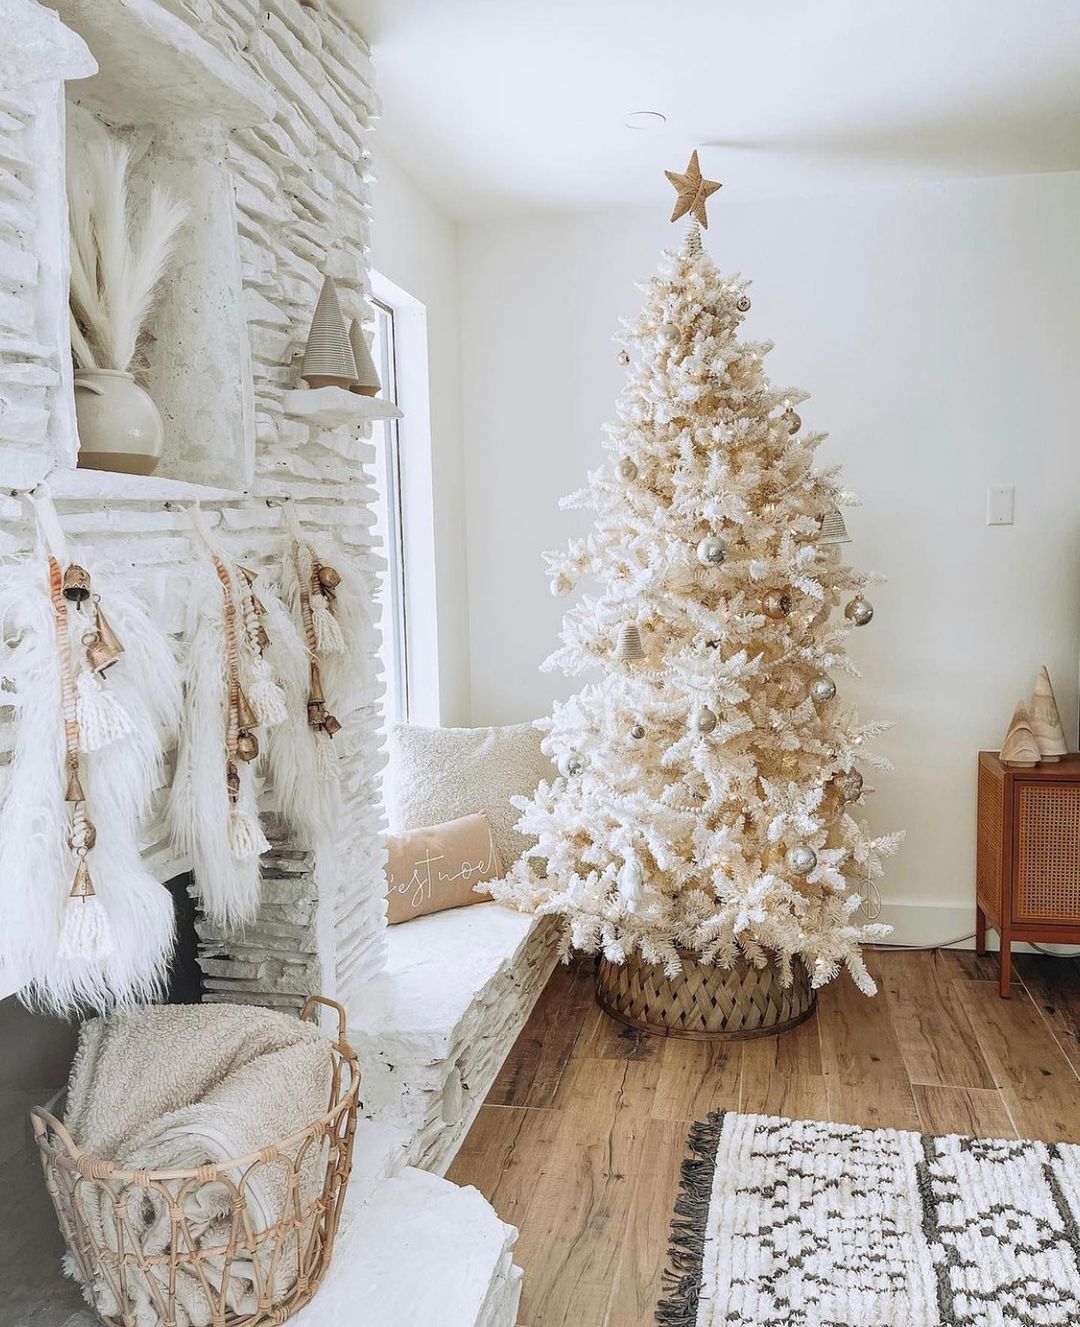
<point>421,1253</point>
<point>434,1027</point>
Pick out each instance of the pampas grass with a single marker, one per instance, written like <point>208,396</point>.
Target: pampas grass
<point>119,253</point>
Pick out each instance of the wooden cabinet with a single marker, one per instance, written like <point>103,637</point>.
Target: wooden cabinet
<point>1028,855</point>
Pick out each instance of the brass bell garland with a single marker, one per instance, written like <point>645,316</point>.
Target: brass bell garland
<point>329,579</point>
<point>247,746</point>
<point>76,585</point>
<point>777,604</point>
<point>859,610</point>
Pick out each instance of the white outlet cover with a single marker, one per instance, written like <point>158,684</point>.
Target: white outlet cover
<point>1000,503</point>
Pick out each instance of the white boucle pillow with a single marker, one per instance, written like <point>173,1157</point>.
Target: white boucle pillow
<point>439,774</point>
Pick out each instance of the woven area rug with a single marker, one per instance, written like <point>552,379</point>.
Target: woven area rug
<point>784,1223</point>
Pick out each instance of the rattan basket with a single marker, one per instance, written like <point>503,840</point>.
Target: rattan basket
<point>704,1003</point>
<point>277,1268</point>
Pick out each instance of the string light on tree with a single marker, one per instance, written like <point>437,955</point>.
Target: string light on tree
<point>694,834</point>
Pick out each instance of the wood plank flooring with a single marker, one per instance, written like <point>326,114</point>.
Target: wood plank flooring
<point>581,1139</point>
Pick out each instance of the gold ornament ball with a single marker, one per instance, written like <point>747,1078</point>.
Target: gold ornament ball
<point>637,732</point>
<point>742,303</point>
<point>627,469</point>
<point>849,785</point>
<point>711,551</point>
<point>801,859</point>
<point>329,579</point>
<point>822,689</point>
<point>792,420</point>
<point>705,720</point>
<point>860,610</point>
<point>561,584</point>
<point>776,604</point>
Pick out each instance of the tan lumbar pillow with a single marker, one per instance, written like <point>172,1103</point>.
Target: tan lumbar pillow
<point>439,867</point>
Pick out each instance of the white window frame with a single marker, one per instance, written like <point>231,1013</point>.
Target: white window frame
<point>416,508</point>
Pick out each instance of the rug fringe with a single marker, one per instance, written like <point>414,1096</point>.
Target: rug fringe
<point>686,1246</point>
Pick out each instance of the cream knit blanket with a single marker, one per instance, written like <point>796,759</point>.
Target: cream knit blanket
<point>179,1086</point>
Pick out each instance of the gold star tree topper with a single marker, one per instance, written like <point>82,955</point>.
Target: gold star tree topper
<point>693,190</point>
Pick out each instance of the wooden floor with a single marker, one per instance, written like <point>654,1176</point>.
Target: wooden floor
<point>580,1142</point>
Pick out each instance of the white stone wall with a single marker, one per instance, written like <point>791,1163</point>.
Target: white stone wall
<point>271,153</point>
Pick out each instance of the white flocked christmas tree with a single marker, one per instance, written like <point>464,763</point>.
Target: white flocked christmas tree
<point>709,782</point>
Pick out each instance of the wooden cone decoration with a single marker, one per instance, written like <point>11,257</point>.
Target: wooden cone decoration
<point>628,648</point>
<point>328,359</point>
<point>833,528</point>
<point>367,377</point>
<point>1045,719</point>
<point>1020,750</point>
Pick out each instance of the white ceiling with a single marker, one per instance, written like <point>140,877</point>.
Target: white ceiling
<point>508,106</point>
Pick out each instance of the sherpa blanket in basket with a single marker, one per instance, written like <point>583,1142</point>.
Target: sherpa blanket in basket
<point>179,1086</point>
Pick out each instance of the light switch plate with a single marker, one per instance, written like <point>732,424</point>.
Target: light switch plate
<point>1000,501</point>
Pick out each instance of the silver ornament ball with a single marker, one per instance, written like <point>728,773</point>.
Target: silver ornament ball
<point>860,610</point>
<point>742,303</point>
<point>792,420</point>
<point>801,859</point>
<point>571,765</point>
<point>711,551</point>
<point>637,732</point>
<point>627,469</point>
<point>822,689</point>
<point>561,584</point>
<point>623,357</point>
<point>705,720</point>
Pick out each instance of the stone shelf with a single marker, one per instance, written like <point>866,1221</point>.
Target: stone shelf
<point>153,68</point>
<point>420,1251</point>
<point>330,407</point>
<point>106,486</point>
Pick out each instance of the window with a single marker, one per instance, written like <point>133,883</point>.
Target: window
<point>389,523</point>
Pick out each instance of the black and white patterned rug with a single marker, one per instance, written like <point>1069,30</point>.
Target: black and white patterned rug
<point>786,1223</point>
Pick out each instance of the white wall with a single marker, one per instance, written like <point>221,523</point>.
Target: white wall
<point>939,332</point>
<point>415,246</point>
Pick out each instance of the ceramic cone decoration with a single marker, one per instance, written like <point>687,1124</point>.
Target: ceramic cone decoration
<point>726,823</point>
<point>1020,749</point>
<point>328,359</point>
<point>1045,719</point>
<point>367,378</point>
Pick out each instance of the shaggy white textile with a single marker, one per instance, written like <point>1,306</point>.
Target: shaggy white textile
<point>439,774</point>
<point>804,1224</point>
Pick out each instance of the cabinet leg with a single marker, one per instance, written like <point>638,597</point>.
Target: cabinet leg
<point>1006,969</point>
<point>980,930</point>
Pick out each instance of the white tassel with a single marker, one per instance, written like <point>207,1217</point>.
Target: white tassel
<point>326,762</point>
<point>246,838</point>
<point>101,717</point>
<point>85,932</point>
<point>328,637</point>
<point>266,697</point>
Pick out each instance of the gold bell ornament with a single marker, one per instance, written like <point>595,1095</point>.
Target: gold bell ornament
<point>76,584</point>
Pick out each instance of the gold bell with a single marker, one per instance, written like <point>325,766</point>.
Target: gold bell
<point>328,578</point>
<point>262,637</point>
<point>74,792</point>
<point>83,886</point>
<point>250,576</point>
<point>316,713</point>
<point>103,646</point>
<point>331,725</point>
<point>76,584</point>
<point>246,718</point>
<point>247,746</point>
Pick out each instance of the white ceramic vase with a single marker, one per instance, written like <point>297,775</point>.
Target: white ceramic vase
<point>120,427</point>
